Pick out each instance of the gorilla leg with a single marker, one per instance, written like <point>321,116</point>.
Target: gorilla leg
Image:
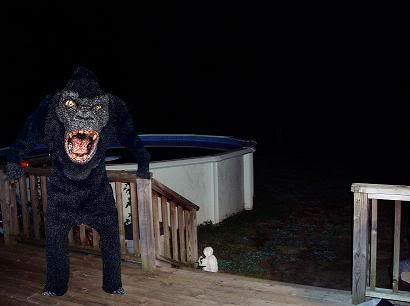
<point>58,270</point>
<point>110,251</point>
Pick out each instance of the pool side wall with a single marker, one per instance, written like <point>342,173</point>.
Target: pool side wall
<point>221,185</point>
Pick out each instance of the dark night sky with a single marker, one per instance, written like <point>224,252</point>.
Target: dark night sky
<point>217,68</point>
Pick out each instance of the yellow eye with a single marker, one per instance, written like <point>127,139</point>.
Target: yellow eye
<point>98,107</point>
<point>69,103</point>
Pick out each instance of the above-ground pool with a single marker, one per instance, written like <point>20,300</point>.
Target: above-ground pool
<point>214,172</point>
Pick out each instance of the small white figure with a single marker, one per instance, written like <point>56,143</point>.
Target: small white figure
<point>209,263</point>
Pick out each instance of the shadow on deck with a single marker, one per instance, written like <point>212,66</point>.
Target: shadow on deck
<point>22,276</point>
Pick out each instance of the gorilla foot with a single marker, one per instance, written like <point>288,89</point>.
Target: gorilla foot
<point>49,293</point>
<point>119,291</point>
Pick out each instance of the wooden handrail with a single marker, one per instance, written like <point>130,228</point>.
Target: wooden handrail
<point>38,171</point>
<point>173,196</point>
<point>365,258</point>
<point>172,231</point>
<point>113,175</point>
<point>121,176</point>
<point>380,191</point>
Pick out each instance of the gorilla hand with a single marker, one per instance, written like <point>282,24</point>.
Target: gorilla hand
<point>14,171</point>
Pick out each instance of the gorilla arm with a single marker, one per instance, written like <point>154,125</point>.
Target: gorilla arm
<point>128,137</point>
<point>32,134</point>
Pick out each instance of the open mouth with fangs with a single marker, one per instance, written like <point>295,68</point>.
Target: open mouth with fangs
<point>80,145</point>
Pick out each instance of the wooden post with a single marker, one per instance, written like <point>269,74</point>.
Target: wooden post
<point>34,206</point>
<point>118,201</point>
<point>181,229</point>
<point>396,242</point>
<point>188,236</point>
<point>373,246</point>
<point>134,218</point>
<point>83,238</point>
<point>165,226</point>
<point>194,236</point>
<point>24,210</point>
<point>360,246</point>
<point>155,217</point>
<point>14,222</point>
<point>144,196</point>
<point>174,230</point>
<point>5,207</point>
<point>96,240</point>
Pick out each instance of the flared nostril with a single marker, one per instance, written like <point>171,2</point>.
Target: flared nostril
<point>84,117</point>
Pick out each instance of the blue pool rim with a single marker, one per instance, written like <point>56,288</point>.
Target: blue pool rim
<point>223,143</point>
<point>196,141</point>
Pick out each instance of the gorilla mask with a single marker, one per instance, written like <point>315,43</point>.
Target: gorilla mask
<point>83,109</point>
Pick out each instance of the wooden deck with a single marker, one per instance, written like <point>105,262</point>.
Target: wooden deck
<point>22,275</point>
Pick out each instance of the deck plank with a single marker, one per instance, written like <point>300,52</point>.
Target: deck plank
<point>22,276</point>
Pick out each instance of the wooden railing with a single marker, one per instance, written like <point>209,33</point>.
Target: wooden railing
<point>159,218</point>
<point>364,274</point>
<point>174,220</point>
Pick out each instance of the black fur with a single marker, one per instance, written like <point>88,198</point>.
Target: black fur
<point>79,193</point>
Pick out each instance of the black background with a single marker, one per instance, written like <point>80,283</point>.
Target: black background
<point>338,77</point>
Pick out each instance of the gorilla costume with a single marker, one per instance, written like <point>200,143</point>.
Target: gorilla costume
<point>78,124</point>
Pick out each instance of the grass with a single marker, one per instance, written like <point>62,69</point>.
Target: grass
<point>300,230</point>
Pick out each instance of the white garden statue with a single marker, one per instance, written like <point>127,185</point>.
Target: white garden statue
<point>209,263</point>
